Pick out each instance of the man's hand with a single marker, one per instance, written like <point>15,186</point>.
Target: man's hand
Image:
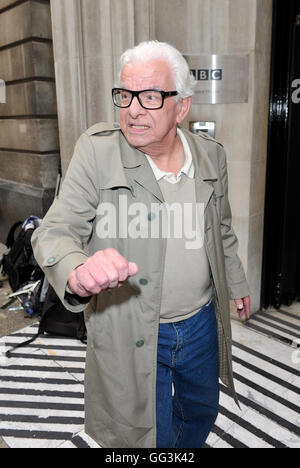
<point>243,307</point>
<point>106,269</point>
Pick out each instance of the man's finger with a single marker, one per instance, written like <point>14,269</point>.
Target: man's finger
<point>247,306</point>
<point>132,269</point>
<point>243,307</point>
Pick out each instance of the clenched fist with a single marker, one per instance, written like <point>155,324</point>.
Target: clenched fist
<point>106,269</point>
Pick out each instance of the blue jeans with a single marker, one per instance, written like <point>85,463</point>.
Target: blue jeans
<point>187,392</point>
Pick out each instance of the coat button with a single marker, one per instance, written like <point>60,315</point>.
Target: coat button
<point>151,216</point>
<point>143,281</point>
<point>51,260</point>
<point>139,343</point>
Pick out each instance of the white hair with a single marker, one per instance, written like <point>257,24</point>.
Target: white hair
<point>184,80</point>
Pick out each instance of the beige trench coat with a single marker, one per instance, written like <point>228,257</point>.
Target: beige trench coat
<point>122,324</point>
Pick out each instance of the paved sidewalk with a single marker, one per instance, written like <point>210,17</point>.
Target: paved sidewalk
<point>42,399</point>
<point>10,321</point>
<point>42,392</point>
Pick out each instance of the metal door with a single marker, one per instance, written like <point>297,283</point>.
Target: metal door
<point>281,259</point>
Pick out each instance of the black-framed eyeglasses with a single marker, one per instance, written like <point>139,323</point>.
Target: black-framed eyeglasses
<point>148,98</point>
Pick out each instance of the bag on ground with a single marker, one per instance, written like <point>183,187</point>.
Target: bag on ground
<point>19,263</point>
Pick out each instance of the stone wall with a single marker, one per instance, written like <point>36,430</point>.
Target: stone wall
<point>88,39</point>
<point>29,146</point>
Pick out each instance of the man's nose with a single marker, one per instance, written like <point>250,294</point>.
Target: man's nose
<point>135,108</point>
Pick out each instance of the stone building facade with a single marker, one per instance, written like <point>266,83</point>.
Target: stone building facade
<point>29,145</point>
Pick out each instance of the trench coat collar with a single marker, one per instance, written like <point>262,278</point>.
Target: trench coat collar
<point>137,167</point>
<point>204,168</point>
<point>205,172</point>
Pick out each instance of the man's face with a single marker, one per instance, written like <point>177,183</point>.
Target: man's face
<point>151,131</point>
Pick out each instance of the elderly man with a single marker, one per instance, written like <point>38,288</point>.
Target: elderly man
<point>157,303</point>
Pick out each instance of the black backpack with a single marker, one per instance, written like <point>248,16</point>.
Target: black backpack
<point>24,272</point>
<point>19,263</point>
<point>56,320</point>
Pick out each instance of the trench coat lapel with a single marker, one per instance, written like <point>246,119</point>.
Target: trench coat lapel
<point>114,175</point>
<point>205,173</point>
<point>138,169</point>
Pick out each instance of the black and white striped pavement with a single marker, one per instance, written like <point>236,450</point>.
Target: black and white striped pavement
<point>282,324</point>
<point>42,394</point>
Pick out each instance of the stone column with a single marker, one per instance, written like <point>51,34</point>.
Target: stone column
<point>89,37</point>
<point>29,147</point>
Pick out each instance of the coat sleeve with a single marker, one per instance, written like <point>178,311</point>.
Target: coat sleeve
<point>236,280</point>
<point>59,243</point>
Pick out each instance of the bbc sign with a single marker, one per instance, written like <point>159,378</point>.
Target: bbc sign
<point>220,79</point>
<point>206,75</point>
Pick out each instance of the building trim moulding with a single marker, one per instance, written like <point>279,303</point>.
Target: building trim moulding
<point>24,41</point>
<point>19,2</point>
<point>18,187</point>
<point>30,80</point>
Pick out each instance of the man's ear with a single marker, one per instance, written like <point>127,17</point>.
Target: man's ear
<point>184,106</point>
